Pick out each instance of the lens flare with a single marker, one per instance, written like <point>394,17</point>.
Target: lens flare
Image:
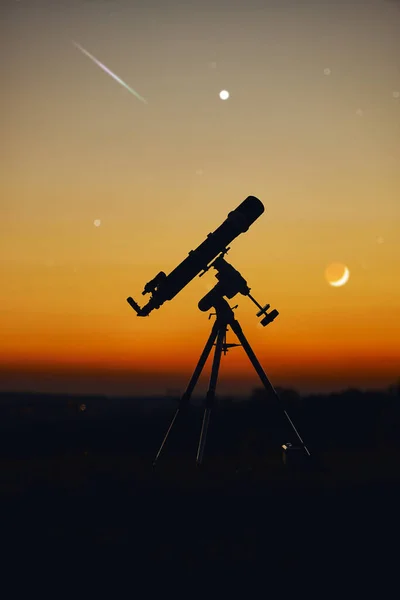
<point>106,70</point>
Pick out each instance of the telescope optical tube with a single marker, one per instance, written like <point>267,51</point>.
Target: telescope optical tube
<point>238,221</point>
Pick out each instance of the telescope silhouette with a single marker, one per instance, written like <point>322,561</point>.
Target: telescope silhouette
<point>230,282</point>
<point>165,287</point>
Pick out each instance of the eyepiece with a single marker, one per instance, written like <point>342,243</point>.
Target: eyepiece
<point>134,304</point>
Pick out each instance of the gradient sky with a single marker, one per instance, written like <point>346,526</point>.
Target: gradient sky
<point>312,128</point>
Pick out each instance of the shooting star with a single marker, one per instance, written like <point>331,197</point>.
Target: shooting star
<point>106,70</point>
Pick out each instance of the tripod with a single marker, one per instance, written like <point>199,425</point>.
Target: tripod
<point>224,317</point>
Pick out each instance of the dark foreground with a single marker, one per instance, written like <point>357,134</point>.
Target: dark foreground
<point>77,505</point>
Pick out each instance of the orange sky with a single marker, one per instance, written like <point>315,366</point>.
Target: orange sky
<point>312,128</point>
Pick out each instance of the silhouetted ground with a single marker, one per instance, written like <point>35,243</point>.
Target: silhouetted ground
<point>78,486</point>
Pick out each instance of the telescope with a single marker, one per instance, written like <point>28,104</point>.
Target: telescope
<point>165,287</point>
<point>209,254</point>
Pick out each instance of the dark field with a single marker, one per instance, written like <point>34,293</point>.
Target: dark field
<point>78,487</point>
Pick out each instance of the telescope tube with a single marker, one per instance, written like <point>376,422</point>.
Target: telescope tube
<point>238,221</point>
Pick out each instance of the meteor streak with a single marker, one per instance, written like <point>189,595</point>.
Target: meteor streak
<point>106,70</point>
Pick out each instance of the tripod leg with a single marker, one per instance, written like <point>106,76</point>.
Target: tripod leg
<point>210,398</point>
<point>192,383</point>
<point>260,372</point>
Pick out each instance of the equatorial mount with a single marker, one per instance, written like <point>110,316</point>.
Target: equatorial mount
<point>230,283</point>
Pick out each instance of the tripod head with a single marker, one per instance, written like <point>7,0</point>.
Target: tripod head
<point>230,283</point>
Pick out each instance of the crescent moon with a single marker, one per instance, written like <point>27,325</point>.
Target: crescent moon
<point>344,279</point>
